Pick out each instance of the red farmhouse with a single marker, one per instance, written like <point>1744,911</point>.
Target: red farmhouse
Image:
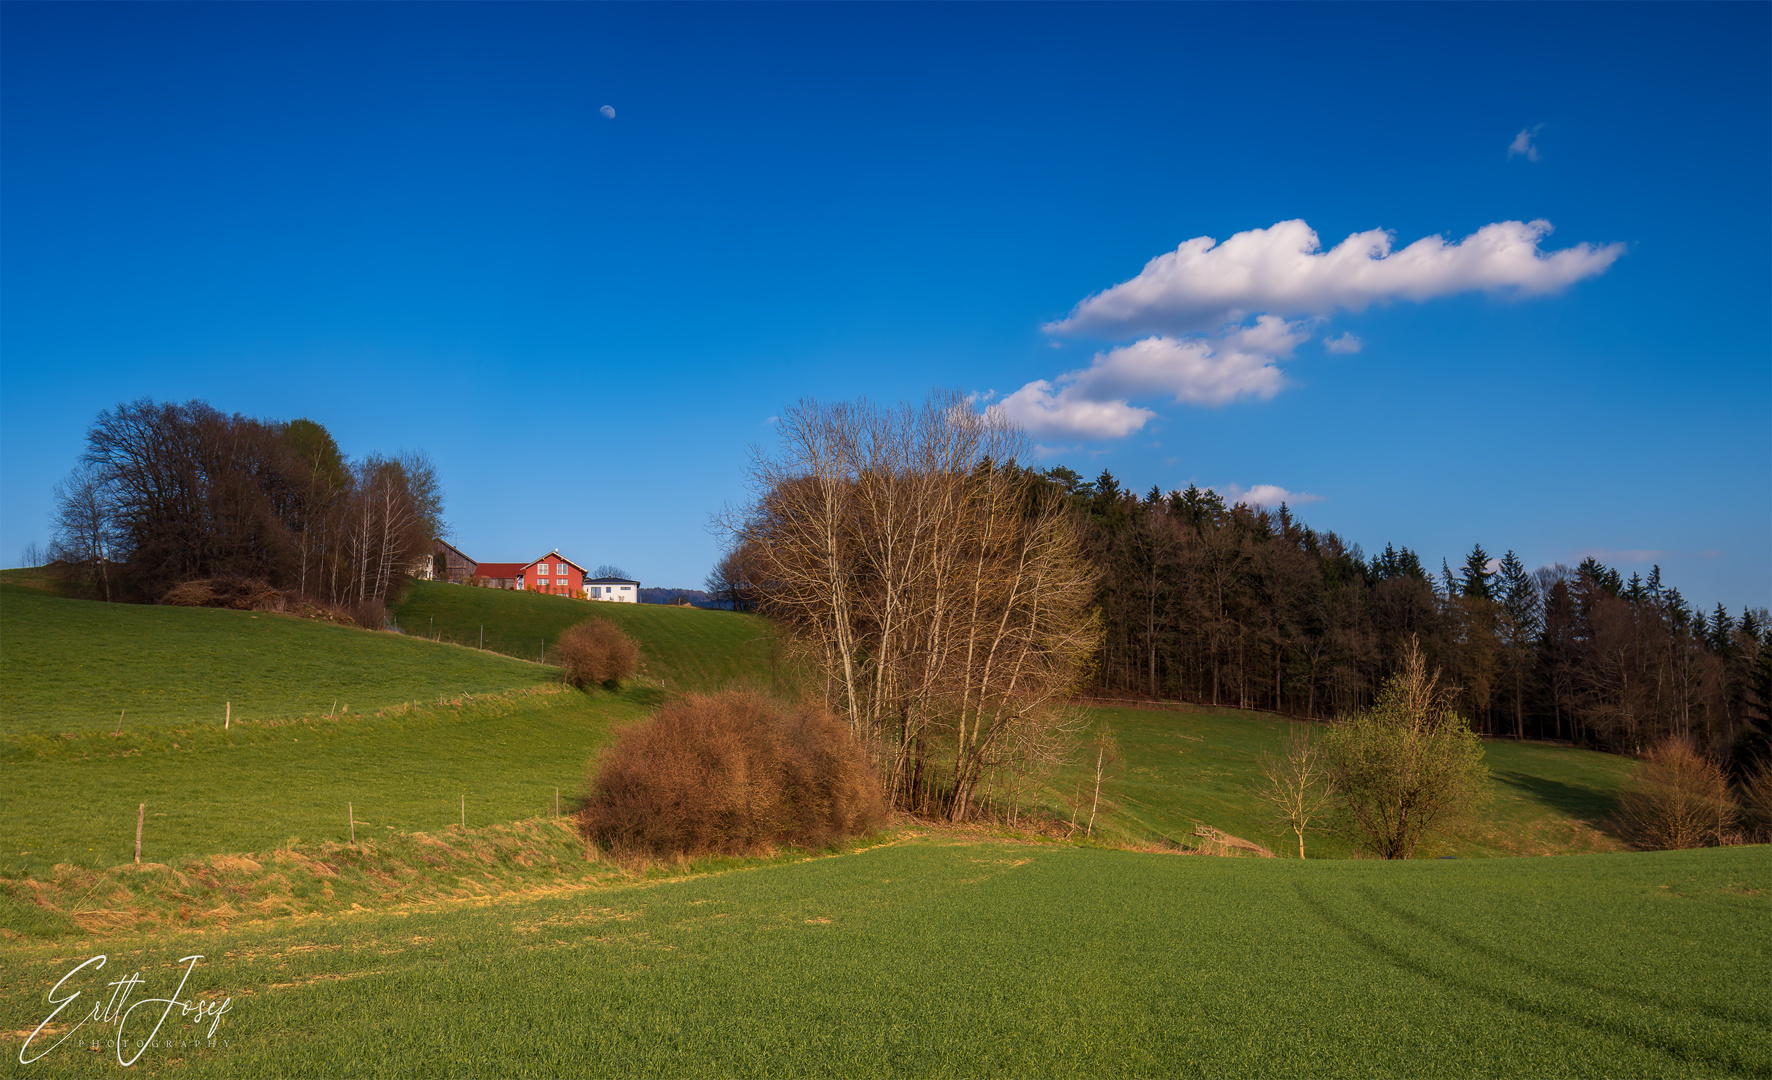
<point>554,574</point>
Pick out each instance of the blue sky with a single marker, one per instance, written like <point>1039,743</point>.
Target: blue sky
<point>413,224</point>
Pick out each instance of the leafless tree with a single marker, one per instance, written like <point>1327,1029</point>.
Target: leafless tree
<point>84,538</point>
<point>946,603</point>
<point>1297,784</point>
<point>185,492</point>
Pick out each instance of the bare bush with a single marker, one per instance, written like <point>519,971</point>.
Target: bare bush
<point>235,593</point>
<point>1678,798</point>
<point>732,773</point>
<point>1756,802</point>
<point>597,653</point>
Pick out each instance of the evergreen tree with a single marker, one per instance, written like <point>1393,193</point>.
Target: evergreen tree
<point>1521,620</point>
<point>1477,573</point>
<point>1722,630</point>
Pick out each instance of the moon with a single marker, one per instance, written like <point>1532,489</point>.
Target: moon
<point>608,112</point>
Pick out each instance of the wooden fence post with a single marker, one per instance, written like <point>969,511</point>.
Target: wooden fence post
<point>464,809</point>
<point>228,716</point>
<point>119,730</point>
<point>140,813</point>
<point>351,812</point>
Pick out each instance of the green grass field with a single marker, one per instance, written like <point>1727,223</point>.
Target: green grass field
<point>255,787</point>
<point>322,716</point>
<point>73,788</point>
<point>1198,764</point>
<point>950,953</point>
<point>684,648</point>
<point>972,959</point>
<point>73,665</point>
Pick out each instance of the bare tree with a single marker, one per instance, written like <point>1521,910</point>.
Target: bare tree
<point>608,570</point>
<point>187,493</point>
<point>84,536</point>
<point>1298,786</point>
<point>1108,762</point>
<point>945,600</point>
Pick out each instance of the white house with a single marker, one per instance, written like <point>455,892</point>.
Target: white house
<point>620,589</point>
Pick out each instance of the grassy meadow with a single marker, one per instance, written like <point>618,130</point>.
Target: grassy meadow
<point>74,665</point>
<point>420,725</point>
<point>429,947</point>
<point>684,648</point>
<point>942,956</point>
<point>1199,764</point>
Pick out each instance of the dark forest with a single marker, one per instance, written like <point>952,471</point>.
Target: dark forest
<point>1238,605</point>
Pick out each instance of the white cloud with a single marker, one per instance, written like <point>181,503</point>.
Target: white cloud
<point>1044,410</point>
<point>1268,495</point>
<point>1093,403</point>
<point>1525,144</point>
<point>1190,311</point>
<point>1203,285</point>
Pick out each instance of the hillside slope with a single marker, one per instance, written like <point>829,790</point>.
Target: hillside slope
<point>1201,764</point>
<point>684,648</point>
<point>73,665</point>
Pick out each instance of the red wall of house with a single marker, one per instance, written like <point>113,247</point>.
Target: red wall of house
<point>571,584</point>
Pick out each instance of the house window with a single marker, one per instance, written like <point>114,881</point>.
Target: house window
<point>542,569</point>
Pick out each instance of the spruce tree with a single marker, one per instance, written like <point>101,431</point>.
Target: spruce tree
<point>1477,574</point>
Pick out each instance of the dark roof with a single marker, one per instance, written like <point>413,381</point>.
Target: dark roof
<point>610,581</point>
<point>499,569</point>
<point>452,547</point>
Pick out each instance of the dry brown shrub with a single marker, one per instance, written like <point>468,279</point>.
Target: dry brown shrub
<point>1756,802</point>
<point>236,593</point>
<point>731,773</point>
<point>1678,798</point>
<point>370,614</point>
<point>597,653</point>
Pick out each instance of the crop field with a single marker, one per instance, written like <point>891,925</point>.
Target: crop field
<point>684,648</point>
<point>937,955</point>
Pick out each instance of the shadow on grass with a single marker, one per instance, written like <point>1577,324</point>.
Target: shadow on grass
<point>1592,807</point>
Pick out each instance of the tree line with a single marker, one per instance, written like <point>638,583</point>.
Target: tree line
<point>1232,604</point>
<point>170,493</point>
